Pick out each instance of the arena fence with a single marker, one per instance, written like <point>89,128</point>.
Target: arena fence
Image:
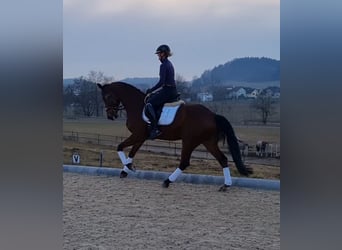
<point>170,147</point>
<point>187,178</point>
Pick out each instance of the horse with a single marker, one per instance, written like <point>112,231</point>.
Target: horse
<point>194,124</point>
<point>261,148</point>
<point>243,148</point>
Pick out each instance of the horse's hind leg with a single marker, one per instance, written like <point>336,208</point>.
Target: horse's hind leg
<point>213,148</point>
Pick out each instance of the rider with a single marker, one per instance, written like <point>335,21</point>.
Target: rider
<point>164,91</point>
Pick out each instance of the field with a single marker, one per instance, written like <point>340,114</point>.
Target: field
<point>147,160</point>
<point>241,112</point>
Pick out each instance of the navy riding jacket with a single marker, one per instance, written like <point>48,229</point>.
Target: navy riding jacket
<point>166,75</point>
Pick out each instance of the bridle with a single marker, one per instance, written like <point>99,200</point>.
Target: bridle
<point>115,108</point>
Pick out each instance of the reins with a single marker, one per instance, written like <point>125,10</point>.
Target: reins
<point>146,97</point>
<point>118,108</point>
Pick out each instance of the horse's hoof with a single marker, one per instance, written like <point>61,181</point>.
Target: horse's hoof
<point>131,167</point>
<point>166,183</point>
<point>224,188</point>
<point>123,174</point>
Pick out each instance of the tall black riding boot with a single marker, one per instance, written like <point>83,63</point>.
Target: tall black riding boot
<point>154,131</point>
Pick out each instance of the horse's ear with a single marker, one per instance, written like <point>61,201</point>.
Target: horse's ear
<point>99,85</point>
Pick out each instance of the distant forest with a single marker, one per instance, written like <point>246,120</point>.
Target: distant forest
<point>248,69</point>
<point>239,71</point>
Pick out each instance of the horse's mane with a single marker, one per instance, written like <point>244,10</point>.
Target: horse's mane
<point>124,84</point>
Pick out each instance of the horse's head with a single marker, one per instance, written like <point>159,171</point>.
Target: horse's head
<point>112,103</point>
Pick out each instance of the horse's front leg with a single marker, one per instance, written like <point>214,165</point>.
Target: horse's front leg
<point>128,162</point>
<point>187,149</point>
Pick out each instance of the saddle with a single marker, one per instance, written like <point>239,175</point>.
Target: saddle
<point>167,113</point>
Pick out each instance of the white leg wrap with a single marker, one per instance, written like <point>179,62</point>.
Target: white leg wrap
<point>129,160</point>
<point>122,157</point>
<point>175,174</point>
<point>126,169</point>
<point>227,177</point>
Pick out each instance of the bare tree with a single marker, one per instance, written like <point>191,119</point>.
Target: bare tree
<point>98,77</point>
<point>182,86</point>
<point>219,92</point>
<point>264,105</point>
<point>68,96</point>
<point>85,95</point>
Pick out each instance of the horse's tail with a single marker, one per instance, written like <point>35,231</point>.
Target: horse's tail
<point>225,130</point>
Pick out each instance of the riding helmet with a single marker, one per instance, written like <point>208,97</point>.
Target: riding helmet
<point>163,48</point>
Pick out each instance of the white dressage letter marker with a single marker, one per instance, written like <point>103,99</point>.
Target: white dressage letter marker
<point>175,174</point>
<point>76,159</point>
<point>227,177</point>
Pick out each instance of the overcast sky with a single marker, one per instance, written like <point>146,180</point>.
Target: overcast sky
<point>119,37</point>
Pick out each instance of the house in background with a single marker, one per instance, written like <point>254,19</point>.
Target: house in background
<point>205,97</point>
<point>253,93</point>
<point>243,92</point>
<point>273,92</point>
<point>236,93</point>
<point>239,92</point>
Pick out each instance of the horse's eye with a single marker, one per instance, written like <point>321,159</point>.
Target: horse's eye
<point>106,97</point>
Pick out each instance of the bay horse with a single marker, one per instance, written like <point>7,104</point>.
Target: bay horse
<point>194,124</point>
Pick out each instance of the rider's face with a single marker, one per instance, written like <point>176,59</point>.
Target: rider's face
<point>161,55</point>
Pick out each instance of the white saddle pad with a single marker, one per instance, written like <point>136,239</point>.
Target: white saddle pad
<point>168,113</point>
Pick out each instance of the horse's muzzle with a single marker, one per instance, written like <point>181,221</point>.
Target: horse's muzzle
<point>112,117</point>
